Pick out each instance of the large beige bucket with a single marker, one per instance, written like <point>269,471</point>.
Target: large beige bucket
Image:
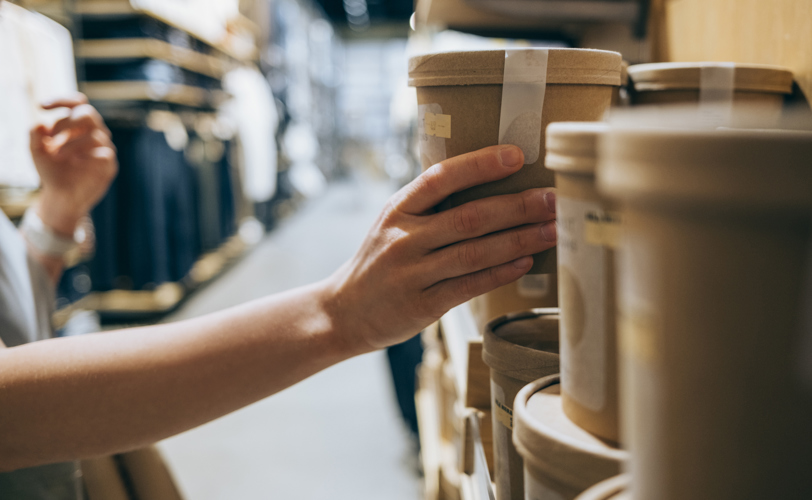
<point>471,100</point>
<point>561,460</point>
<point>588,228</point>
<point>518,348</point>
<point>714,298</point>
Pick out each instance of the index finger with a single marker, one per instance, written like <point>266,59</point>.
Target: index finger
<point>66,102</point>
<point>459,173</point>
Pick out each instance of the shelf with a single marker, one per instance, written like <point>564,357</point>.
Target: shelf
<point>166,297</point>
<point>525,15</point>
<point>139,90</point>
<point>119,8</point>
<point>117,49</point>
<point>15,202</point>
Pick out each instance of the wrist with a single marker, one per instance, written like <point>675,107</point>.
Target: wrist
<point>62,216</point>
<point>347,327</point>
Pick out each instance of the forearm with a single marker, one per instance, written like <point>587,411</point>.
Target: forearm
<point>114,391</point>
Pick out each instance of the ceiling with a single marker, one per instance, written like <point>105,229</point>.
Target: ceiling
<point>361,14</point>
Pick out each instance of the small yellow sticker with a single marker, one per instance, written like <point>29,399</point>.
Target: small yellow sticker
<point>438,125</point>
<point>602,228</point>
<point>504,414</point>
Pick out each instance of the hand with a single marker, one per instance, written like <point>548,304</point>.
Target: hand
<point>76,161</point>
<point>416,264</point>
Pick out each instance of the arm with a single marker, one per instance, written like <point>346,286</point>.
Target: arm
<point>76,161</point>
<point>85,396</point>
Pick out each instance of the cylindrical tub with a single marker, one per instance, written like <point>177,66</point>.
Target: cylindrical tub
<point>588,227</point>
<point>561,460</point>
<point>518,348</point>
<point>733,89</point>
<point>714,302</point>
<point>531,291</point>
<point>471,100</point>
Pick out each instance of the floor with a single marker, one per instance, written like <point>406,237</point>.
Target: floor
<point>337,435</point>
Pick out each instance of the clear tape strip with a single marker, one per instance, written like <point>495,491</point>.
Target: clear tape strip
<point>716,86</point>
<point>523,86</point>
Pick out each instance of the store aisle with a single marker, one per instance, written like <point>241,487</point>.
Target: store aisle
<point>336,435</point>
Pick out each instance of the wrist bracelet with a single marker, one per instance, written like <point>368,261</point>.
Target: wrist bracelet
<point>43,238</point>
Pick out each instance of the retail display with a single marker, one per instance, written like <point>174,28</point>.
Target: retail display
<point>588,230</point>
<point>471,100</point>
<point>713,295</point>
<point>518,348</point>
<point>561,460</point>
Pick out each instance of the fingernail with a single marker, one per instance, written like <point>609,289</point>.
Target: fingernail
<point>549,198</point>
<point>523,263</point>
<point>510,156</point>
<point>549,231</point>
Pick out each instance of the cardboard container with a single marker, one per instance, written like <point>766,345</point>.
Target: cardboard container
<point>518,348</point>
<point>561,460</point>
<point>745,86</point>
<point>588,227</point>
<point>460,96</point>
<point>614,488</point>
<point>531,291</point>
<point>714,310</point>
<point>620,95</point>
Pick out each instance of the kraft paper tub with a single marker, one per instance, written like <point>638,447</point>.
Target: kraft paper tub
<point>588,227</point>
<point>561,460</point>
<point>519,348</point>
<point>714,303</point>
<point>614,488</point>
<point>471,100</point>
<point>730,90</point>
<point>531,291</point>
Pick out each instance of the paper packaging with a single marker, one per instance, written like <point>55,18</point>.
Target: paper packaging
<point>714,294</point>
<point>588,227</point>
<point>518,348</point>
<point>561,460</point>
<point>741,88</point>
<point>614,488</point>
<point>460,98</point>
<point>531,291</point>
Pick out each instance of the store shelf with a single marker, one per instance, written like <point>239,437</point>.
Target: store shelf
<point>139,90</point>
<point>119,8</point>
<point>525,15</point>
<point>118,49</point>
<point>164,298</point>
<point>14,203</point>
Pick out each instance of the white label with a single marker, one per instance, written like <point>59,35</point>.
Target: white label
<point>536,490</point>
<point>432,133</point>
<point>582,278</point>
<point>533,286</point>
<point>523,87</point>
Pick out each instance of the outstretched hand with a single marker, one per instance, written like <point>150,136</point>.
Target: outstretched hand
<point>417,263</point>
<point>76,161</point>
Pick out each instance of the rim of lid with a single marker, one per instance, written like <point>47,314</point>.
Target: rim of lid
<point>486,67</point>
<point>609,489</point>
<point>728,168</point>
<point>515,360</point>
<point>686,76</point>
<point>572,147</point>
<point>559,454</point>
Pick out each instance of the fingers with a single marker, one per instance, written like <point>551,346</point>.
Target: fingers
<point>452,292</point>
<point>492,250</point>
<point>489,215</point>
<point>66,102</point>
<point>82,118</point>
<point>458,173</point>
<point>84,144</point>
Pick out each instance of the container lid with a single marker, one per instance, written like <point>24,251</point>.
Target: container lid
<point>573,146</point>
<point>614,488</point>
<point>547,440</point>
<point>732,168</point>
<point>486,67</point>
<point>523,345</point>
<point>686,76</point>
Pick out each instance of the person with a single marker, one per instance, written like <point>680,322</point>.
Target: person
<point>78,397</point>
